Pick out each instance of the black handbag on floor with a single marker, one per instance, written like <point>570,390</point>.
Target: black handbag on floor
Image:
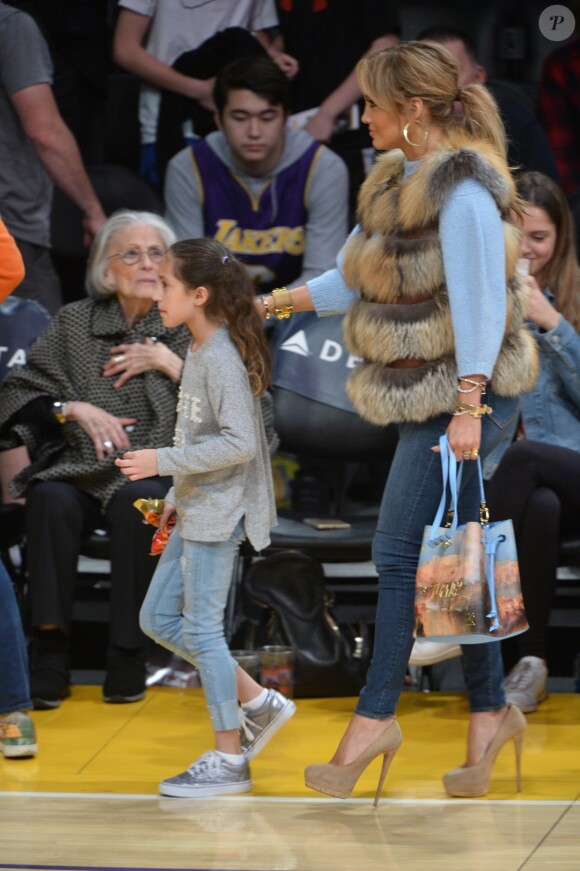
<point>329,659</point>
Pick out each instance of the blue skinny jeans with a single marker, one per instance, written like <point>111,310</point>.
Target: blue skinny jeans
<point>14,691</point>
<point>184,611</point>
<point>409,503</point>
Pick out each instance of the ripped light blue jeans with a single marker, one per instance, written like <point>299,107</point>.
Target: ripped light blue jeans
<point>184,611</point>
<point>409,503</point>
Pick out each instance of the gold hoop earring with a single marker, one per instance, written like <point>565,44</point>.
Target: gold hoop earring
<point>406,133</point>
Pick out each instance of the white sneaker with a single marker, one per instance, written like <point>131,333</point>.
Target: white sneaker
<point>426,652</point>
<point>525,685</point>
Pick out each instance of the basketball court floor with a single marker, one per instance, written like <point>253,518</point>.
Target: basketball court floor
<point>89,801</point>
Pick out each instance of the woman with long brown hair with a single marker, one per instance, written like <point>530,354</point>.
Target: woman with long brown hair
<point>434,310</point>
<point>537,483</point>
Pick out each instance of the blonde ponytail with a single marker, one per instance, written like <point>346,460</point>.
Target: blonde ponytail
<point>481,118</point>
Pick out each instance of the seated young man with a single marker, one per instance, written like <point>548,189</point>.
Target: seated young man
<point>274,196</point>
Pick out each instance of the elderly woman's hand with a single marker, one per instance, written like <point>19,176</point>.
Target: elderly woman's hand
<point>107,431</point>
<point>129,360</point>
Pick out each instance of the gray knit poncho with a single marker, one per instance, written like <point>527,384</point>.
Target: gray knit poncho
<point>66,363</point>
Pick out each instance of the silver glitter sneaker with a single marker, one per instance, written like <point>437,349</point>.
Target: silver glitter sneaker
<point>525,685</point>
<point>211,774</point>
<point>258,727</point>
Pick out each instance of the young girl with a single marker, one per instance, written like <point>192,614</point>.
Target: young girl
<point>222,494</point>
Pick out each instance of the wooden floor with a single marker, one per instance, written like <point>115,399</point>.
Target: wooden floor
<point>89,800</point>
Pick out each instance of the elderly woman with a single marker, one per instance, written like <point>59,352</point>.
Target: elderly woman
<point>100,380</point>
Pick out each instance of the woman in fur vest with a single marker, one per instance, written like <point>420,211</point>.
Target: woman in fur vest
<point>434,309</point>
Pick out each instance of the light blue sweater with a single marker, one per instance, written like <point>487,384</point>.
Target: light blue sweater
<point>474,262</point>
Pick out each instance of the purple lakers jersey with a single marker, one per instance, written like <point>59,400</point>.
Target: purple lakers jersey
<point>266,232</point>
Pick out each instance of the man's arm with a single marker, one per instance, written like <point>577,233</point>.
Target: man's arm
<point>288,64</point>
<point>57,149</point>
<point>183,197</point>
<point>321,125</point>
<point>129,53</point>
<point>327,224</point>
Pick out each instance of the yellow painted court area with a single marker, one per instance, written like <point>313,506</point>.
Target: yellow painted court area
<point>89,800</point>
<point>88,746</point>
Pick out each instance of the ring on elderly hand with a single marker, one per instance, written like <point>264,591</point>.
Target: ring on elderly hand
<point>119,358</point>
<point>475,453</point>
<point>466,454</point>
<point>108,445</point>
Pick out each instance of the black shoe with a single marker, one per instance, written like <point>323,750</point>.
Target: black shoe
<point>48,687</point>
<point>49,669</point>
<point>125,679</point>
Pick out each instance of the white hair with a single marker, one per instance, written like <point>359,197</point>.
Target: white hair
<point>118,222</point>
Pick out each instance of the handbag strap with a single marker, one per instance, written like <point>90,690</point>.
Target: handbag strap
<point>452,473</point>
<point>491,544</point>
<point>444,456</point>
<point>455,473</point>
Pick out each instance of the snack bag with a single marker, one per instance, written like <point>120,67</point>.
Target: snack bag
<point>152,509</point>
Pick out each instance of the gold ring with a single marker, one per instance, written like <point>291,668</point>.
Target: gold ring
<point>466,454</point>
<point>475,453</point>
<point>119,358</point>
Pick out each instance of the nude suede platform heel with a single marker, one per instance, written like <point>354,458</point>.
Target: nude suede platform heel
<point>339,780</point>
<point>469,781</point>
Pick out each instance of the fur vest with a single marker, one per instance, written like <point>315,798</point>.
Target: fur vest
<point>401,325</point>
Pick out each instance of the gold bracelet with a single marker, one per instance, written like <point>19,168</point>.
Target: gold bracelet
<point>283,305</point>
<point>268,313</point>
<point>473,410</point>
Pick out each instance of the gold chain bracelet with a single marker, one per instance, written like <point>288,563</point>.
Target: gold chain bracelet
<point>283,305</point>
<point>473,410</point>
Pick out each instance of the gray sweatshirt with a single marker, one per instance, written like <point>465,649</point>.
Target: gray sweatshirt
<point>219,462</point>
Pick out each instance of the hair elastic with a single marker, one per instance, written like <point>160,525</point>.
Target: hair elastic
<point>225,259</point>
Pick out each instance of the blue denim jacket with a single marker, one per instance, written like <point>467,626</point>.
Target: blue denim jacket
<point>551,410</point>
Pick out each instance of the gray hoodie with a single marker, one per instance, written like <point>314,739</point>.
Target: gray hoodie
<point>326,199</point>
